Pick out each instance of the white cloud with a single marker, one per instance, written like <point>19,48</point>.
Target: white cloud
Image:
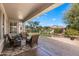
<point>54,19</point>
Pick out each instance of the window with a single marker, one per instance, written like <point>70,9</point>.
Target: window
<point>13,27</point>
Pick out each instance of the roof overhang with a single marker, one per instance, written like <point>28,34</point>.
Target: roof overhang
<point>26,11</point>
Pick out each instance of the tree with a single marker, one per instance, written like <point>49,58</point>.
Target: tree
<point>71,17</point>
<point>33,25</point>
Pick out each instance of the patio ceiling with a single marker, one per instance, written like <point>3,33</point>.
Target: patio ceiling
<point>25,11</point>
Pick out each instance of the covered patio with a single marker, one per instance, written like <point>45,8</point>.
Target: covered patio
<point>13,17</point>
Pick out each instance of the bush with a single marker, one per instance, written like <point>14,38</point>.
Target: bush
<point>58,30</point>
<point>71,32</point>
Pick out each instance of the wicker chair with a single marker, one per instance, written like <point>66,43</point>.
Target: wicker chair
<point>17,40</point>
<point>32,41</point>
<point>11,41</point>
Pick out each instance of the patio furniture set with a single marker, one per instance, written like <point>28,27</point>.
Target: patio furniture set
<point>14,41</point>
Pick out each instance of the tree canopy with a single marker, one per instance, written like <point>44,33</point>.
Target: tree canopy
<point>33,24</point>
<point>72,17</point>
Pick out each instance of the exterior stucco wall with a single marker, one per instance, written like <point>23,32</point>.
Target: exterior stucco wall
<point>2,11</point>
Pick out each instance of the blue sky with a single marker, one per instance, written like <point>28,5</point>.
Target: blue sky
<point>53,17</point>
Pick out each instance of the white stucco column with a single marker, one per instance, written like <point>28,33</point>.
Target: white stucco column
<point>0,26</point>
<point>20,26</point>
<point>1,23</point>
<point>24,27</point>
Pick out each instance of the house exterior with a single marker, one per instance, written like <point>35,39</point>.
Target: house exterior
<point>13,16</point>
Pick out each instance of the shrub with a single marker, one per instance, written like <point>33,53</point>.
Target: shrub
<point>71,32</point>
<point>58,30</point>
